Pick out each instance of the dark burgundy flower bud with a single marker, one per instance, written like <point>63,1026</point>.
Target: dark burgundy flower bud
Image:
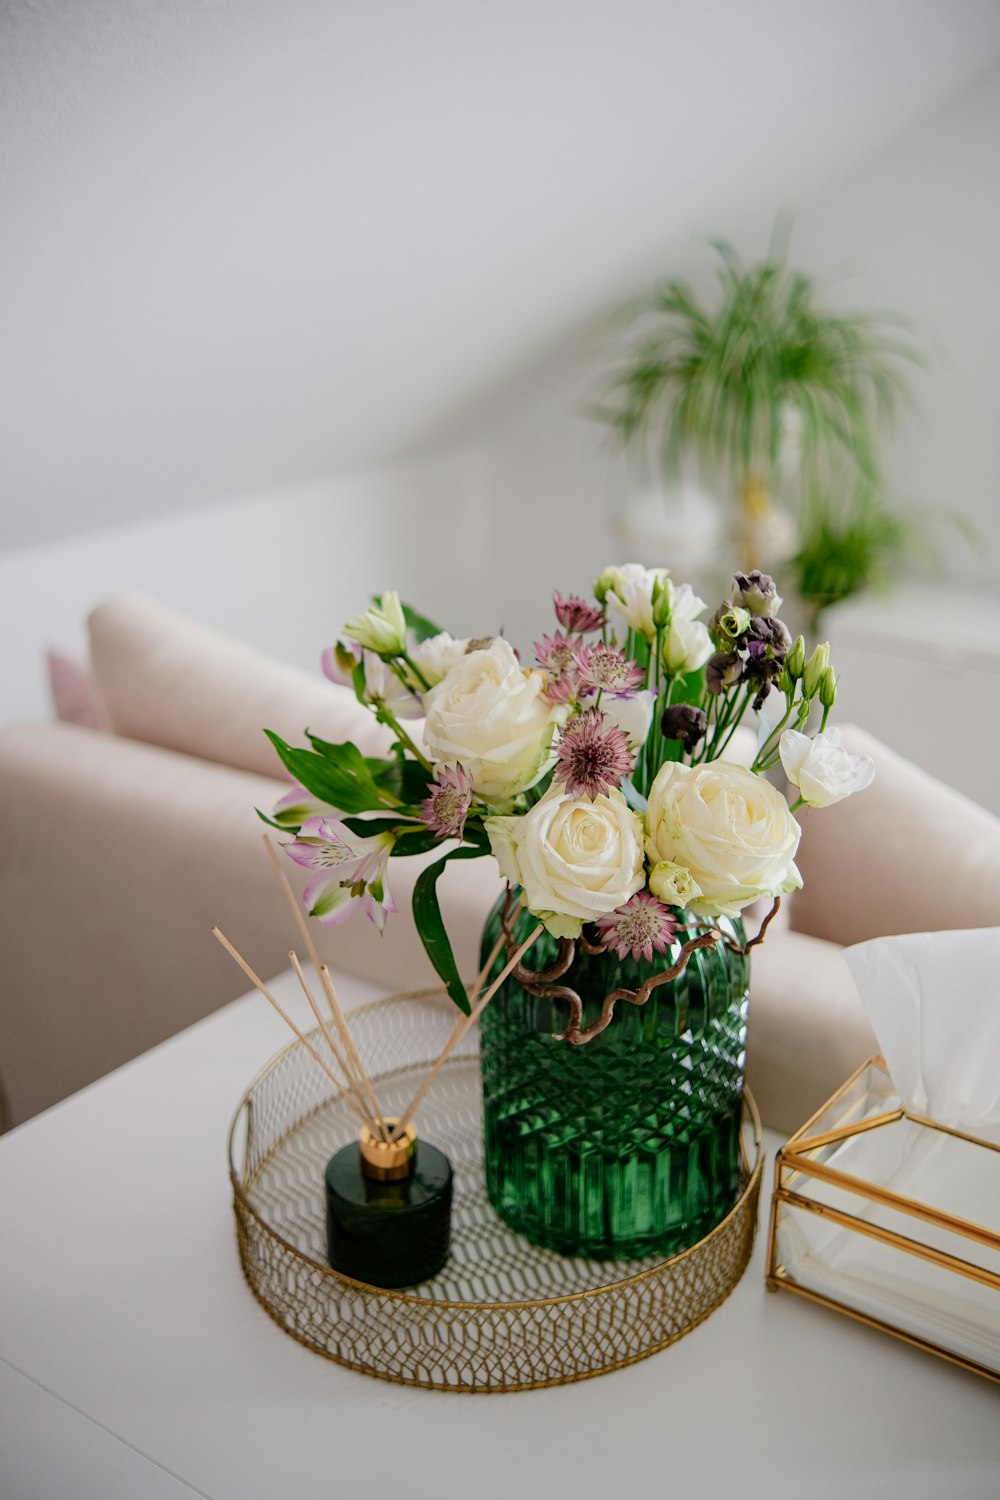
<point>769,632</point>
<point>761,672</point>
<point>756,592</point>
<point>724,670</point>
<point>684,722</point>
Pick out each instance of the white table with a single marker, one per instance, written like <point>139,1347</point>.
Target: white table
<point>135,1363</point>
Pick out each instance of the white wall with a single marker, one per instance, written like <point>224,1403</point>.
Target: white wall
<point>281,570</point>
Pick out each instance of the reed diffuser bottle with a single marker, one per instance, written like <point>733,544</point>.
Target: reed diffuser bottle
<point>388,1209</point>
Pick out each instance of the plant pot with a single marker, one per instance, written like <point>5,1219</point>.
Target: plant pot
<point>627,1145</point>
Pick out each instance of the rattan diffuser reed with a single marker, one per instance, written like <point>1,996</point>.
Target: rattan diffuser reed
<point>344,1066</point>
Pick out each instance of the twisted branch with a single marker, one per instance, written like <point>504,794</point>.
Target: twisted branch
<point>540,981</point>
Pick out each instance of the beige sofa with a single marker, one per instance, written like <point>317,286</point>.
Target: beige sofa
<point>123,846</point>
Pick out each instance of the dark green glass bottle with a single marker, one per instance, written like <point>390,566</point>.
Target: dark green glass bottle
<point>388,1226</point>
<point>628,1145</point>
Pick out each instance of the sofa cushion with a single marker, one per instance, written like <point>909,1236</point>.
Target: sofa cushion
<point>807,1029</point>
<point>908,855</point>
<point>117,860</point>
<point>169,681</point>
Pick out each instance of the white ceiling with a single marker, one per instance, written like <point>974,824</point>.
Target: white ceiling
<point>249,241</point>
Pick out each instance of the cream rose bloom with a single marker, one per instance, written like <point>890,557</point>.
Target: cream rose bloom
<point>729,828</point>
<point>493,718</point>
<point>576,858</point>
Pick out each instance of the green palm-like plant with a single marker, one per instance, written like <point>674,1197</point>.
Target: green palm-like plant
<point>726,381</point>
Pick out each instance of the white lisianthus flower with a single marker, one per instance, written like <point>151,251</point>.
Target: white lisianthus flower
<point>493,718</point>
<point>436,656</point>
<point>632,715</point>
<point>576,858</point>
<point>382,628</point>
<point>688,644</point>
<point>729,828</point>
<point>383,686</point>
<point>673,884</point>
<point>822,769</point>
<point>632,591</point>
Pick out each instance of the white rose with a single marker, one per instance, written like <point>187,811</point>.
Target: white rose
<point>436,656</point>
<point>688,644</point>
<point>821,768</point>
<point>631,592</point>
<point>576,858</point>
<point>494,719</point>
<point>633,715</point>
<point>729,828</point>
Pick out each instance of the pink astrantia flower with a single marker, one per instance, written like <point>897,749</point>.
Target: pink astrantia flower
<point>556,654</point>
<point>593,755</point>
<point>576,614</point>
<point>352,872</point>
<point>608,669</point>
<point>564,689</point>
<point>637,929</point>
<point>445,809</point>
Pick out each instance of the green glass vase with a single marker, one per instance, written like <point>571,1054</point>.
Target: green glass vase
<point>627,1145</point>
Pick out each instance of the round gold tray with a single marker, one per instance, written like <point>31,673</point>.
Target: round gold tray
<point>501,1315</point>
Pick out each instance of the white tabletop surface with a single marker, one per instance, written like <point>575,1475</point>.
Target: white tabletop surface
<point>135,1363</point>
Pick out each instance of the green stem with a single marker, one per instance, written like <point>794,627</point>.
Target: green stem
<point>388,717</point>
<point>724,719</point>
<point>735,725</point>
<point>405,655</point>
<point>765,755</point>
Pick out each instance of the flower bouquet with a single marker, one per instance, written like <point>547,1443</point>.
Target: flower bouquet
<point>604,781</point>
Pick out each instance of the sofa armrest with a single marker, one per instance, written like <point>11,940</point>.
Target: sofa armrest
<point>908,855</point>
<point>117,860</point>
<point>807,1032</point>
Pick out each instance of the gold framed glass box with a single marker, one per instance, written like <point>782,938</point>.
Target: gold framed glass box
<point>893,1219</point>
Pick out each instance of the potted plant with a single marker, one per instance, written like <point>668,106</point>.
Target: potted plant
<point>776,395</point>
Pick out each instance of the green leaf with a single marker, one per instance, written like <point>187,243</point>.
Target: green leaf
<point>689,688</point>
<point>406,779</point>
<point>422,628</point>
<point>338,775</point>
<point>416,841</point>
<point>281,827</point>
<point>430,926</point>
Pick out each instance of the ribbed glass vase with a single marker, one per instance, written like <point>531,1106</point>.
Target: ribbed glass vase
<point>626,1145</point>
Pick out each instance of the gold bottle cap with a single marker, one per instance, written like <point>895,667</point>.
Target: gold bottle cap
<point>388,1161</point>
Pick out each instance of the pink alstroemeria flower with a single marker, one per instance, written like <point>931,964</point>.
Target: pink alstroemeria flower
<point>297,806</point>
<point>352,870</point>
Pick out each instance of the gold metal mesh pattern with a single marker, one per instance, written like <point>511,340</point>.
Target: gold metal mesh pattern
<point>501,1315</point>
